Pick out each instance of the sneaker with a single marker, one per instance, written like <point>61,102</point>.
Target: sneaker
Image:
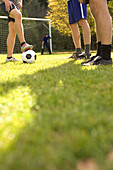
<point>80,56</point>
<point>90,61</point>
<point>74,55</point>
<point>12,59</point>
<point>100,61</point>
<point>26,47</point>
<point>84,55</point>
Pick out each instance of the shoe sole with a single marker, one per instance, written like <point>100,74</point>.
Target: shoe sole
<point>104,64</point>
<point>87,64</point>
<point>27,48</point>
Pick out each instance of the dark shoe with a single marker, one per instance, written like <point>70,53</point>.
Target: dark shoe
<point>100,61</point>
<point>80,56</point>
<point>90,61</point>
<point>84,55</point>
<point>73,56</point>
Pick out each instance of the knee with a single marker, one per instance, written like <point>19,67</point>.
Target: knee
<point>82,22</point>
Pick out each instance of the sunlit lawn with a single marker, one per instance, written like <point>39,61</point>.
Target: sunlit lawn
<point>55,113</point>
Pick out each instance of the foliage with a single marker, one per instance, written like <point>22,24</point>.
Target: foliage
<point>55,113</point>
<point>58,14</point>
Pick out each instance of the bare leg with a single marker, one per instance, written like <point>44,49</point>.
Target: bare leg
<point>76,35</point>
<point>86,36</point>
<point>98,36</point>
<point>103,23</point>
<point>16,14</point>
<point>11,39</point>
<point>86,31</point>
<point>104,28</point>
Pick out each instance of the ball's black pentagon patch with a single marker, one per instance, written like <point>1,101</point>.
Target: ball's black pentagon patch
<point>35,56</point>
<point>28,56</point>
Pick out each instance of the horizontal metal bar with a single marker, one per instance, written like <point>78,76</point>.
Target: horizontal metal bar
<point>25,18</point>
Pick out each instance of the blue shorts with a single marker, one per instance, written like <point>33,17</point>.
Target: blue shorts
<point>2,7</point>
<point>76,11</point>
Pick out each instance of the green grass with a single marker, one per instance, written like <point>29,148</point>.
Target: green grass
<point>55,113</point>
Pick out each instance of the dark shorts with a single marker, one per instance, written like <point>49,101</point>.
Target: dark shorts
<point>87,1</point>
<point>76,11</point>
<point>2,7</point>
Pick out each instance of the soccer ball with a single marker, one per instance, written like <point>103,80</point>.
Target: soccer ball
<point>28,56</point>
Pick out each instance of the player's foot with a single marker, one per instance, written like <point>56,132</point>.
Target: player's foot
<point>80,56</point>
<point>12,59</point>
<point>73,56</point>
<point>100,61</point>
<point>90,61</point>
<point>26,47</point>
<point>84,55</point>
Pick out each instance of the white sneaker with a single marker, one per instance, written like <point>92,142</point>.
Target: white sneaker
<point>12,59</point>
<point>26,47</point>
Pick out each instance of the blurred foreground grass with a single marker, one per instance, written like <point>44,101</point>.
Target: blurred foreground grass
<point>55,113</point>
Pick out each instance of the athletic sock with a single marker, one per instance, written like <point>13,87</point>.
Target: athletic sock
<point>9,57</point>
<point>78,50</point>
<point>106,51</point>
<point>87,48</point>
<point>22,43</point>
<point>98,48</point>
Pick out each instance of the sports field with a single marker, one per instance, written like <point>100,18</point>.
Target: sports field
<point>55,115</point>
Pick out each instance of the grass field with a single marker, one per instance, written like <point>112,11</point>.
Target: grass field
<point>55,115</point>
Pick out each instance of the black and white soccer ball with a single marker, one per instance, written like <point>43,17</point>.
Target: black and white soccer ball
<point>28,56</point>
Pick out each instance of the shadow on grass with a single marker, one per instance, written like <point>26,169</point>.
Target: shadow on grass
<point>64,124</point>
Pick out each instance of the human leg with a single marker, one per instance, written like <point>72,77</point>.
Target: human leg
<point>11,39</point>
<point>86,36</point>
<point>48,47</point>
<point>86,30</point>
<point>78,13</point>
<point>16,14</point>
<point>11,42</point>
<point>91,60</point>
<point>104,30</point>
<point>42,50</point>
<point>74,11</point>
<point>76,35</point>
<point>76,39</point>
